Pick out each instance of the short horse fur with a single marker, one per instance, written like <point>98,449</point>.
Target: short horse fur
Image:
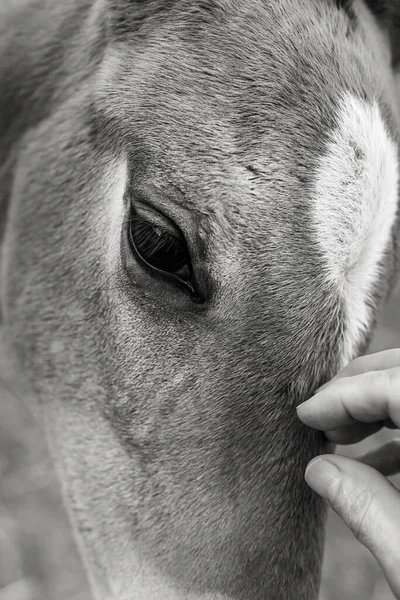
<point>268,132</point>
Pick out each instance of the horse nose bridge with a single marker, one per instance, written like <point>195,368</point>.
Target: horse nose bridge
<point>260,308</point>
<point>274,337</point>
<point>246,354</point>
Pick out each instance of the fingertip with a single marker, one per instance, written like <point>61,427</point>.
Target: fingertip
<point>302,408</point>
<point>305,412</point>
<point>323,476</point>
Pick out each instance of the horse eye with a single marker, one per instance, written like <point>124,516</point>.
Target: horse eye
<point>160,247</point>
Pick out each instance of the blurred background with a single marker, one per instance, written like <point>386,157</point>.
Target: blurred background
<point>38,558</point>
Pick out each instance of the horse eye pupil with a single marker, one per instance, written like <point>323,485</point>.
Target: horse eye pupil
<point>158,247</point>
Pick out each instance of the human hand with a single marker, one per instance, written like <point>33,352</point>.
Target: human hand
<point>360,400</point>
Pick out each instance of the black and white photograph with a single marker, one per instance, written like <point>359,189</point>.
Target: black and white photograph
<point>199,299</point>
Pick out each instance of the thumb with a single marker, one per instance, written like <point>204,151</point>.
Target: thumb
<point>367,502</point>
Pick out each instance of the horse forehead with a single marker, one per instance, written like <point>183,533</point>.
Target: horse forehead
<point>256,112</point>
<point>259,48</point>
<point>261,82</point>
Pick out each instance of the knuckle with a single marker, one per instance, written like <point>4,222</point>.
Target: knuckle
<point>361,512</point>
<point>393,376</point>
<point>337,494</point>
<point>342,391</point>
<point>393,384</point>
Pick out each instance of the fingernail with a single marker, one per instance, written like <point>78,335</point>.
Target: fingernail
<point>323,477</point>
<point>315,393</point>
<point>302,404</point>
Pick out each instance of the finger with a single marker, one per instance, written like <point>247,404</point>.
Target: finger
<point>388,359</point>
<point>385,459</point>
<point>368,397</point>
<point>367,502</point>
<point>356,432</point>
<point>351,434</point>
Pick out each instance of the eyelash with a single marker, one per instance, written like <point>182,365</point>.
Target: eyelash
<point>145,236</point>
<point>141,236</point>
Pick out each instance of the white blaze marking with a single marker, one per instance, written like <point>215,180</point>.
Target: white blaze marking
<point>356,202</point>
<point>113,188</point>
